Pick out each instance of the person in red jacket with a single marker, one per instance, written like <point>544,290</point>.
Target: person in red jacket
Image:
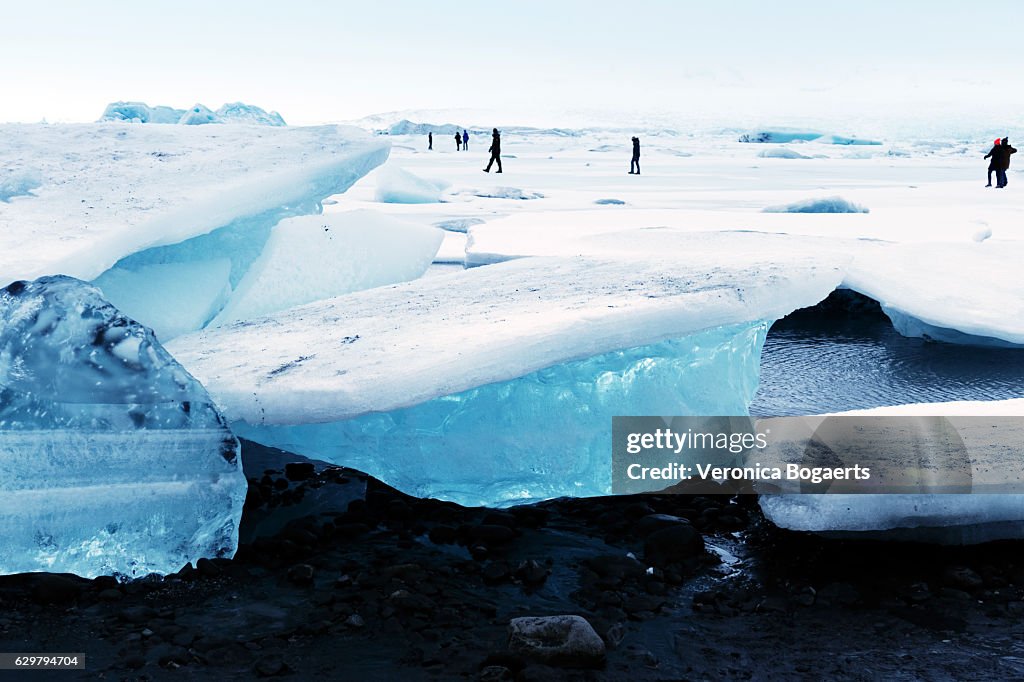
<point>992,163</point>
<point>1001,160</point>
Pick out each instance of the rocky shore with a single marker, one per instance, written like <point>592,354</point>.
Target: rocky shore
<point>341,577</point>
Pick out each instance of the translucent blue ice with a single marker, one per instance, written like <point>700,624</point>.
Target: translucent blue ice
<point>113,459</point>
<point>546,434</point>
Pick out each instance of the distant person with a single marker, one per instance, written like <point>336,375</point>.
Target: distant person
<point>495,151</point>
<point>635,163</point>
<point>458,141</point>
<point>465,140</point>
<point>992,163</point>
<point>430,145</point>
<point>1001,160</point>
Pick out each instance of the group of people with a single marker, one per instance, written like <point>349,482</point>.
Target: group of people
<point>1000,161</point>
<point>462,144</point>
<point>999,155</point>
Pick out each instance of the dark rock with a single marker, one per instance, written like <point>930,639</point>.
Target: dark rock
<point>962,578</point>
<point>496,673</point>
<point>137,614</point>
<point>654,522</point>
<point>532,573</point>
<point>55,588</point>
<point>495,572</point>
<point>500,518</point>
<point>301,574</point>
<point>207,568</point>
<point>110,595</point>
<point>615,567</point>
<point>164,654</point>
<point>270,666</point>
<point>491,534</point>
<point>557,640</point>
<point>672,545</point>
<point>442,535</point>
<point>299,471</point>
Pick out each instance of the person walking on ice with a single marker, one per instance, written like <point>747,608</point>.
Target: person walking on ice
<point>1001,161</point>
<point>495,151</point>
<point>458,141</point>
<point>465,140</point>
<point>430,142</point>
<point>635,162</point>
<point>992,163</point>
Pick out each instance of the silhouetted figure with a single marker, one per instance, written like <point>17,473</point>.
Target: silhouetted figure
<point>1001,160</point>
<point>495,151</point>
<point>430,140</point>
<point>635,162</point>
<point>992,163</point>
<point>458,141</point>
<point>465,140</point>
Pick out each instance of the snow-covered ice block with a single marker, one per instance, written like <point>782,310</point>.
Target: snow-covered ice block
<point>175,298</point>
<point>309,258</point>
<point>945,518</point>
<point>780,135</point>
<point>112,195</point>
<point>239,112</point>
<point>140,112</point>
<point>198,115</point>
<point>969,293</point>
<point>846,140</point>
<point>398,186</point>
<point>435,392</point>
<point>114,459</point>
<point>781,153</point>
<point>819,205</point>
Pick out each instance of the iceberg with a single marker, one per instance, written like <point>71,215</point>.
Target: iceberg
<point>198,115</point>
<point>115,460</point>
<point>503,392</point>
<point>819,205</point>
<point>232,112</point>
<point>140,112</point>
<point>309,258</point>
<point>943,518</point>
<point>249,114</point>
<point>398,186</point>
<point>113,201</point>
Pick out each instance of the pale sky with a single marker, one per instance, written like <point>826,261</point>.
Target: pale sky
<point>328,61</point>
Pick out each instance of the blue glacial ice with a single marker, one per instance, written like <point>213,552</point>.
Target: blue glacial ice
<point>504,392</point>
<point>542,435</point>
<point>232,112</point>
<point>114,459</point>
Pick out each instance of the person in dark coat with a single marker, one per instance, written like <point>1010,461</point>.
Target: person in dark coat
<point>992,163</point>
<point>430,142</point>
<point>1001,160</point>
<point>635,162</point>
<point>465,139</point>
<point>495,151</point>
<point>458,141</point>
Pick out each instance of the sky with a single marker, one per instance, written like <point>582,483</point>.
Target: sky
<point>333,61</point>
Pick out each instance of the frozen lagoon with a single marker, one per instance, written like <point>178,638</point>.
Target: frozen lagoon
<point>676,263</point>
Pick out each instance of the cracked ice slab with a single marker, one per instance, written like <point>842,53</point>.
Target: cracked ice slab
<point>498,384</point>
<point>944,518</point>
<point>108,190</point>
<point>956,289</point>
<point>397,346</point>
